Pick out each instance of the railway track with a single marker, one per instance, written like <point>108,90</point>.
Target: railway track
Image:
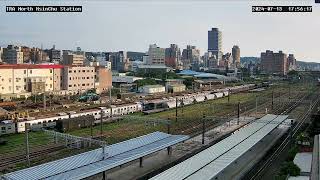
<point>287,140</point>
<point>11,161</point>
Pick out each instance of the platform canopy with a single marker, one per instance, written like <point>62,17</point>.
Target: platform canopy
<point>93,162</point>
<point>211,161</point>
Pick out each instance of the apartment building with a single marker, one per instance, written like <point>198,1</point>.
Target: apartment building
<point>274,62</point>
<point>13,55</point>
<point>26,79</point>
<point>78,78</point>
<point>73,58</point>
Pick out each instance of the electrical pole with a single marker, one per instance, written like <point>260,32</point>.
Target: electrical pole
<point>203,128</point>
<point>256,105</point>
<point>176,109</point>
<point>44,101</point>
<point>91,130</point>
<point>101,117</point>
<point>272,100</point>
<point>238,113</point>
<point>27,127</point>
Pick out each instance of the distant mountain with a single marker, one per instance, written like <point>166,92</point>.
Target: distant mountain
<point>302,65</point>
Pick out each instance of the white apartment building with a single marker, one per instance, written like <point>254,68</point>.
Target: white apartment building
<point>156,55</point>
<point>25,78</point>
<point>78,78</point>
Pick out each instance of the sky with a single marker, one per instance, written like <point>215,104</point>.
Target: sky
<point>132,25</point>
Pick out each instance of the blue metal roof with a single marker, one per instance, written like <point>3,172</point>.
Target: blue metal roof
<point>204,164</point>
<point>188,72</point>
<point>90,163</point>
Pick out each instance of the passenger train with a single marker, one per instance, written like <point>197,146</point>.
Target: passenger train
<point>119,110</point>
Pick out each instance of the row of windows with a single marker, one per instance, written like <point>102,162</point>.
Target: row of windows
<point>73,78</point>
<point>30,71</point>
<point>24,88</point>
<point>88,84</point>
<point>24,79</point>
<point>75,71</point>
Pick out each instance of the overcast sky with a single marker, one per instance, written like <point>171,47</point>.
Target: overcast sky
<point>134,24</point>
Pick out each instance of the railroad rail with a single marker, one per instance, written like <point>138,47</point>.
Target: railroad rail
<point>293,132</point>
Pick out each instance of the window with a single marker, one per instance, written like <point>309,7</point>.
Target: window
<point>17,79</point>
<point>30,71</point>
<point>25,79</point>
<point>3,128</point>
<point>50,70</point>
<point>87,77</point>
<point>83,70</point>
<point>83,84</point>
<point>70,71</point>
<point>51,78</point>
<point>9,88</point>
<point>24,71</point>
<point>74,71</point>
<point>70,85</point>
<point>9,79</point>
<point>70,78</point>
<point>50,85</point>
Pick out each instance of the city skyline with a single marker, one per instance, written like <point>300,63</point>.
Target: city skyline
<point>124,26</point>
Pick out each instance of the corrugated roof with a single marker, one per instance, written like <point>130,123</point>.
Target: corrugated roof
<point>90,163</point>
<point>211,161</point>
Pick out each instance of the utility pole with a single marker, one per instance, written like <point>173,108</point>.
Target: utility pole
<point>101,117</point>
<point>44,101</point>
<point>228,95</point>
<point>103,158</point>
<point>110,102</point>
<point>256,105</point>
<point>272,99</point>
<point>203,127</point>
<point>168,126</point>
<point>27,127</point>
<point>176,109</point>
<point>238,113</point>
<point>91,129</point>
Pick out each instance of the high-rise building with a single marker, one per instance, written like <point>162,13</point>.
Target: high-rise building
<point>54,55</point>
<point>39,56</point>
<point>13,55</point>
<point>73,58</point>
<point>190,55</point>
<point>292,62</point>
<point>119,60</point>
<point>236,55</point>
<point>215,43</point>
<point>156,55</point>
<point>172,56</point>
<point>27,54</point>
<point>1,54</point>
<point>274,62</point>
